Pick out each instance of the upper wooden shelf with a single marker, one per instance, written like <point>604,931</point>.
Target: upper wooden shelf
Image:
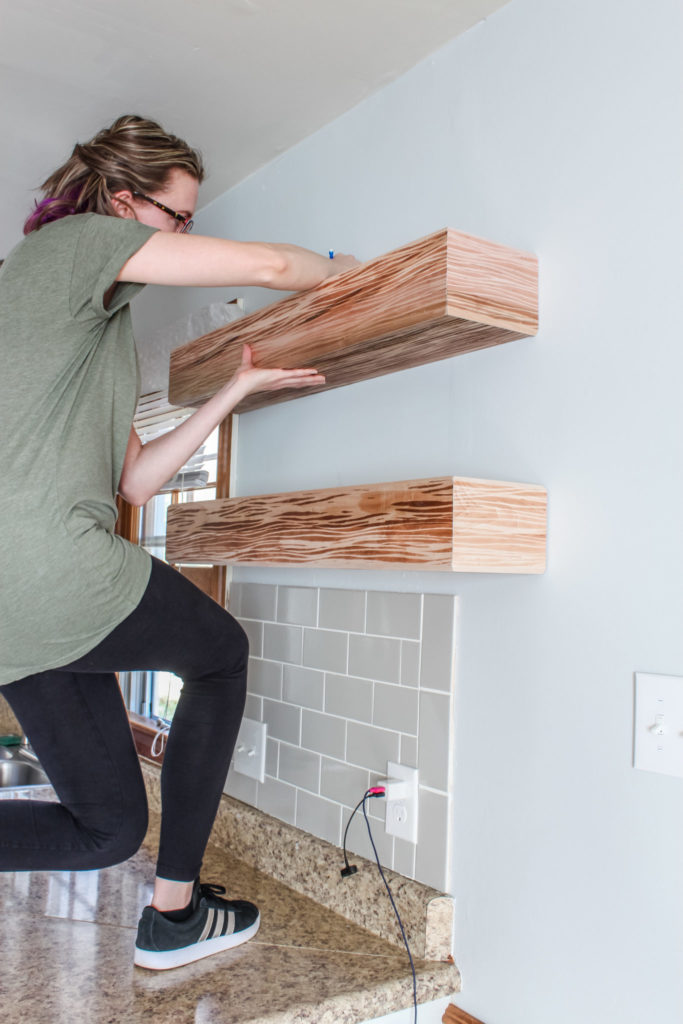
<point>441,296</point>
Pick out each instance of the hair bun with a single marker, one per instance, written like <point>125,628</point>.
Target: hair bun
<point>133,153</point>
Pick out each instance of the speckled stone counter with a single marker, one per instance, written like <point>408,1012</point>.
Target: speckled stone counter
<point>68,948</point>
<point>311,866</point>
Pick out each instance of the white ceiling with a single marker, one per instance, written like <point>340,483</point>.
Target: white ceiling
<point>242,80</point>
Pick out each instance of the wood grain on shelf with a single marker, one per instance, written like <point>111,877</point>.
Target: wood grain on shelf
<point>443,523</point>
<point>443,295</point>
<point>454,1015</point>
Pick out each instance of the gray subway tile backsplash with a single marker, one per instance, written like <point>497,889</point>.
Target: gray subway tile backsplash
<point>325,649</point>
<point>404,857</point>
<point>410,663</point>
<point>408,755</point>
<point>343,782</point>
<point>374,657</point>
<point>323,733</point>
<point>284,720</point>
<point>254,630</point>
<point>342,609</point>
<point>395,708</point>
<point>265,678</point>
<point>254,600</point>
<point>348,696</point>
<point>431,864</point>
<point>277,798</point>
<point>434,740</point>
<point>300,767</point>
<point>371,748</point>
<point>320,816</point>
<point>241,787</point>
<point>282,643</point>
<point>347,680</point>
<point>436,667</point>
<point>304,686</point>
<point>253,707</point>
<point>297,605</point>
<point>394,614</point>
<point>272,753</point>
<point>358,841</point>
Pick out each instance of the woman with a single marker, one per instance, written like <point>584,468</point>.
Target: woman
<point>78,602</point>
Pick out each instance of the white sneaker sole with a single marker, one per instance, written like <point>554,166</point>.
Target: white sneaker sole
<point>162,961</point>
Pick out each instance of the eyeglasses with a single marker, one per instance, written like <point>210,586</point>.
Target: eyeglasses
<point>187,222</point>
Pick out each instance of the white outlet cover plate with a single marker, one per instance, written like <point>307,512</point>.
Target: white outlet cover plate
<point>406,829</point>
<point>250,750</point>
<point>658,729</point>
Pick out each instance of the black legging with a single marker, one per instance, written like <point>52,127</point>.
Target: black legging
<point>76,722</point>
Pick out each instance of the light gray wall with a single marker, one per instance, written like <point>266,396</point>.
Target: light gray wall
<point>553,127</point>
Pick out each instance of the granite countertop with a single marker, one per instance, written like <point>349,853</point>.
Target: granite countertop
<point>69,954</point>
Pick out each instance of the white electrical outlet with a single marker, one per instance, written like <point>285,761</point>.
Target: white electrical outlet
<point>250,750</point>
<point>658,730</point>
<point>401,815</point>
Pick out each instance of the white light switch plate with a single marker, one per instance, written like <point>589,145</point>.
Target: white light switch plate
<point>658,732</point>
<point>250,750</point>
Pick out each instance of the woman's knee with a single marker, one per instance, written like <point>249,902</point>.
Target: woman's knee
<point>117,837</point>
<point>232,642</point>
<point>132,832</point>
<point>241,645</point>
<point>228,655</point>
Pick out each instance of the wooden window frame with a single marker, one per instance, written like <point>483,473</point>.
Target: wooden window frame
<point>211,579</point>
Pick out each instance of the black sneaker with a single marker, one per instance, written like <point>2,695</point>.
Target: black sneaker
<point>214,924</point>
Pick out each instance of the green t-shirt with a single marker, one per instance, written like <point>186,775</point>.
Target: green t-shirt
<point>69,385</point>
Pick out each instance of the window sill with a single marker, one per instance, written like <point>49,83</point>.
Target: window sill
<point>144,730</point>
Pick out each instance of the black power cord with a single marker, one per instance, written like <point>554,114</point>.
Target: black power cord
<point>351,869</point>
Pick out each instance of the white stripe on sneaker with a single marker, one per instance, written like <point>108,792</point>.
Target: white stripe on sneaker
<point>208,924</point>
<point>218,923</point>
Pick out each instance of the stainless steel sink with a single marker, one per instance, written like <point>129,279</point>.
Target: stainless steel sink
<point>19,774</point>
<point>20,769</point>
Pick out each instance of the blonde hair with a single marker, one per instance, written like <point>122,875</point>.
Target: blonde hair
<point>134,153</point>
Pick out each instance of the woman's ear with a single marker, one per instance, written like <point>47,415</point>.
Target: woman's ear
<point>123,204</point>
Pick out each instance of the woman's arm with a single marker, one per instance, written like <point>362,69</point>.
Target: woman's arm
<point>196,260</point>
<point>148,467</point>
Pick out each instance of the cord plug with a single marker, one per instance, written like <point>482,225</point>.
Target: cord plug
<point>394,789</point>
<point>374,791</point>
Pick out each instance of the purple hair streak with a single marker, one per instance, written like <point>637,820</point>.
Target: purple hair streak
<point>49,209</point>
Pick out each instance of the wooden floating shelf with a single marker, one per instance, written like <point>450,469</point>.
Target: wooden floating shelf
<point>451,524</point>
<point>444,295</point>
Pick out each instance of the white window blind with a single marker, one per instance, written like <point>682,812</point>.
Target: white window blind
<point>156,416</point>
<point>155,694</point>
<point>195,481</point>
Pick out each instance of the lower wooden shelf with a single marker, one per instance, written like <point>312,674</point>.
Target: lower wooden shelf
<point>454,1015</point>
<point>448,524</point>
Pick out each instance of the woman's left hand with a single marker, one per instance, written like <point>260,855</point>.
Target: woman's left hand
<point>148,466</point>
<point>250,378</point>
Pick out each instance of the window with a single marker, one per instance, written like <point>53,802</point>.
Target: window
<point>206,475</point>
